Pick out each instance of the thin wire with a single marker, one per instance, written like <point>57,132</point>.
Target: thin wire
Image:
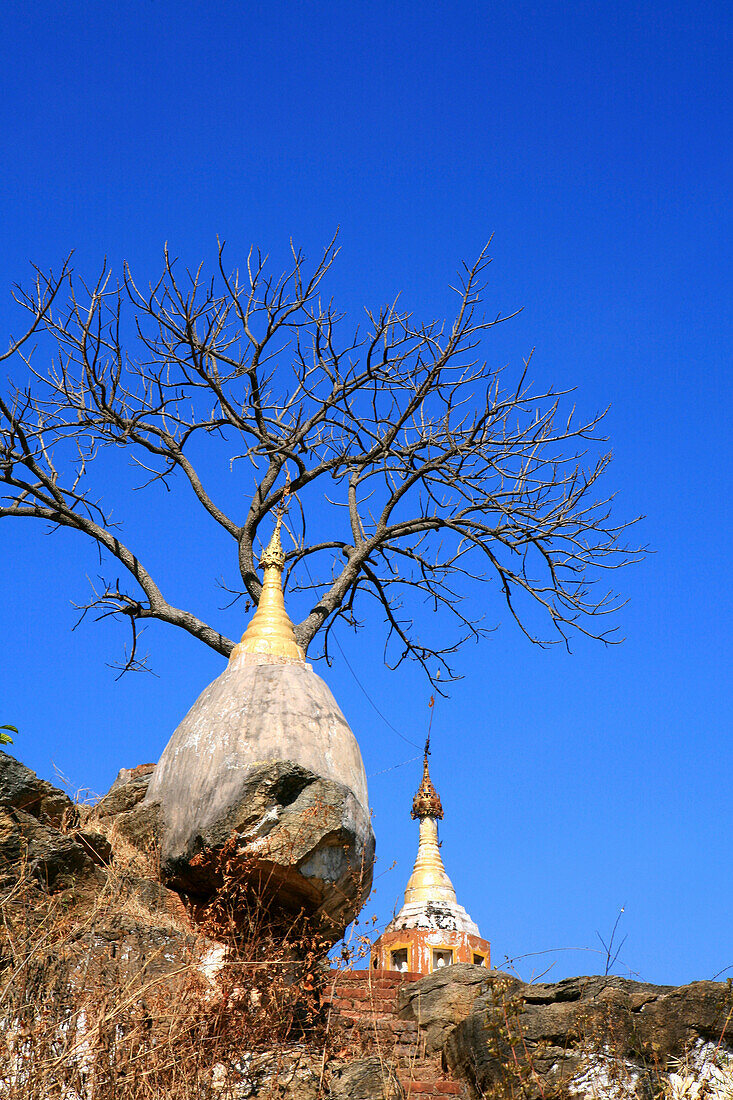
<point>366,693</point>
<point>394,767</point>
<point>370,700</point>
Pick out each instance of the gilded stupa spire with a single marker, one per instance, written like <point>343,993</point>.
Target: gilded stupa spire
<point>429,882</point>
<point>271,632</point>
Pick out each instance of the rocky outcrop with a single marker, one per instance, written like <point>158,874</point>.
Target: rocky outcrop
<point>441,1000</point>
<point>123,809</point>
<point>109,960</point>
<point>93,935</point>
<point>40,833</point>
<point>21,789</point>
<point>28,846</point>
<point>365,1079</point>
<point>266,756</point>
<point>584,1034</point>
<point>127,791</point>
<point>45,837</point>
<point>303,1075</point>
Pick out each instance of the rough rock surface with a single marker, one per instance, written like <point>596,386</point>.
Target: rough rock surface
<point>303,1075</point>
<point>32,815</point>
<point>441,1000</point>
<point>123,807</point>
<point>303,838</point>
<point>21,789</point>
<point>121,941</point>
<point>266,755</point>
<point>128,789</point>
<point>134,949</point>
<point>44,835</point>
<point>364,1079</point>
<point>287,1075</point>
<point>27,845</point>
<point>542,1040</point>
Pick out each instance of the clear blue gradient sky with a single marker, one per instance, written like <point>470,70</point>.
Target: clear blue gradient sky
<point>594,141</point>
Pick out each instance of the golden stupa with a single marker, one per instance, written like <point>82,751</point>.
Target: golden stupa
<point>429,880</point>
<point>271,631</point>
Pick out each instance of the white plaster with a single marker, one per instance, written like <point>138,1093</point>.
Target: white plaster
<point>440,916</point>
<point>605,1078</point>
<point>212,962</point>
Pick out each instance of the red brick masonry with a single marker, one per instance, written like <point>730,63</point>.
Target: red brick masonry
<point>364,1002</point>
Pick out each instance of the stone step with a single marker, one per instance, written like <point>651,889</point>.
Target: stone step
<point>358,1018</point>
<point>363,996</point>
<point>400,1027</point>
<point>356,1008</point>
<point>450,1090</point>
<point>365,1004</point>
<point>367,1009</point>
<point>384,1023</point>
<point>365,1027</point>
<point>362,993</point>
<point>385,980</point>
<point>444,1086</point>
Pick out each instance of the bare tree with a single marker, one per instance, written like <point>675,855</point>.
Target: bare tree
<point>437,467</point>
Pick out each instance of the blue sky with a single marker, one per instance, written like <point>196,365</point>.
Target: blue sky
<point>593,141</point>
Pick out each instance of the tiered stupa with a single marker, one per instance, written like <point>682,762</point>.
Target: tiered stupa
<point>431,929</point>
<point>265,756</point>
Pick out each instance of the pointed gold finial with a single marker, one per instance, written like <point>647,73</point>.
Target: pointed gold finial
<point>271,632</point>
<point>426,802</point>
<point>273,556</point>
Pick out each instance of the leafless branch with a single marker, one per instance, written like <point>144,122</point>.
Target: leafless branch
<point>439,470</point>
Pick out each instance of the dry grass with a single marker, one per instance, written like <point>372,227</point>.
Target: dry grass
<point>111,992</point>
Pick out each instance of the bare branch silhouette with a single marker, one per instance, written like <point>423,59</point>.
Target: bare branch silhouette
<point>438,469</point>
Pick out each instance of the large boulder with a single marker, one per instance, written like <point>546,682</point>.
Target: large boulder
<point>266,758</point>
<point>441,1000</point>
<point>300,839</point>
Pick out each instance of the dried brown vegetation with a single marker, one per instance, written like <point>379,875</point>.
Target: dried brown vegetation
<point>113,992</point>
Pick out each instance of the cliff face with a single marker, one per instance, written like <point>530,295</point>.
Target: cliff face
<point>113,987</point>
